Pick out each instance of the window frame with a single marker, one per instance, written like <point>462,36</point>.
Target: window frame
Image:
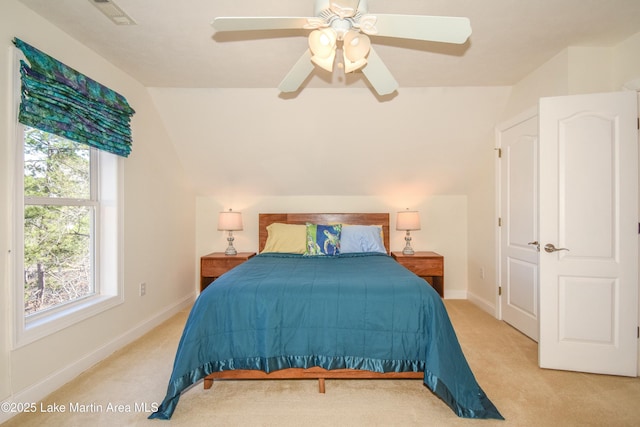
<point>107,238</point>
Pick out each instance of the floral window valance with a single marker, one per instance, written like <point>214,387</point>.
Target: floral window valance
<point>60,100</point>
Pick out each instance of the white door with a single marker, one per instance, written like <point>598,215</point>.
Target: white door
<point>518,142</point>
<point>589,214</point>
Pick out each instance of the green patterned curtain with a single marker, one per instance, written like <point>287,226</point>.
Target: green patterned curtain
<point>58,99</point>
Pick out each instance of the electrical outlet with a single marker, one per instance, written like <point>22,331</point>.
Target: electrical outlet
<point>143,289</point>
<point>482,272</point>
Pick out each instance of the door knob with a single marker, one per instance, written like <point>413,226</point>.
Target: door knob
<point>536,244</point>
<point>550,248</point>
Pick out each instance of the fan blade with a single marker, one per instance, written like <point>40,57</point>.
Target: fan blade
<point>445,29</point>
<point>379,75</point>
<point>259,23</point>
<point>298,74</point>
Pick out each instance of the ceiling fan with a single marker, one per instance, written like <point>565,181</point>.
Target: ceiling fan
<point>344,25</point>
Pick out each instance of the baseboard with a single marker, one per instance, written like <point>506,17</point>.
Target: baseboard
<point>36,392</point>
<point>482,304</point>
<point>455,294</point>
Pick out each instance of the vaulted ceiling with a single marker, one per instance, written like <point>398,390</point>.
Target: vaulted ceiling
<point>174,45</point>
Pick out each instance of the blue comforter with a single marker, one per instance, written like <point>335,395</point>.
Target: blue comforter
<point>358,311</point>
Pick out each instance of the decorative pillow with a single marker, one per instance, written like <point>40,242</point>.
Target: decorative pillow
<point>286,238</point>
<point>323,239</point>
<point>361,238</point>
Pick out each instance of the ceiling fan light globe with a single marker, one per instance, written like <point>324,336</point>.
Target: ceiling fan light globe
<point>326,63</point>
<point>322,42</point>
<point>351,66</point>
<point>356,46</point>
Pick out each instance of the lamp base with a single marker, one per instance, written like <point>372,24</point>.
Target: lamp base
<point>230,249</point>
<point>408,250</point>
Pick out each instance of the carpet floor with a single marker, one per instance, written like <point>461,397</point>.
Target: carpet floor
<point>122,389</point>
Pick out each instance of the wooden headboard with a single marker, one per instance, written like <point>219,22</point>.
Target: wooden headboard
<point>323,218</point>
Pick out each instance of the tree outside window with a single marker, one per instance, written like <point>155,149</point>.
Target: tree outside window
<point>59,219</point>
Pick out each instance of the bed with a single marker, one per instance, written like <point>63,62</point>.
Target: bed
<point>310,310</point>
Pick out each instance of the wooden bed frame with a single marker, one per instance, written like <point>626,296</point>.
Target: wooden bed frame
<point>315,372</point>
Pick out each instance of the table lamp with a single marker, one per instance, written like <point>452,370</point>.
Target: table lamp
<point>407,221</point>
<point>230,221</point>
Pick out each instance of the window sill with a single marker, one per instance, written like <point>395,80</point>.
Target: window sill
<point>46,324</point>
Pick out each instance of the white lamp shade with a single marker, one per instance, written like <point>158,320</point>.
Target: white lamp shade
<point>408,220</point>
<point>230,221</point>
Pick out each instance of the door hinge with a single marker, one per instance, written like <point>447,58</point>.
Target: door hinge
<point>499,291</point>
<point>499,150</point>
<point>499,222</point>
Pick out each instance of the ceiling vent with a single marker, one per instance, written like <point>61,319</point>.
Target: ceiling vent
<point>113,12</point>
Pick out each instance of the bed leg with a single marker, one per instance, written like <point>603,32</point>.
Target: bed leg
<point>208,383</point>
<point>321,385</point>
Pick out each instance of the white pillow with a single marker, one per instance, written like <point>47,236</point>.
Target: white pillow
<point>361,238</point>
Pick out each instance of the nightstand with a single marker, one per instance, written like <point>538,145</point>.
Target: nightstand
<point>428,265</point>
<point>216,264</point>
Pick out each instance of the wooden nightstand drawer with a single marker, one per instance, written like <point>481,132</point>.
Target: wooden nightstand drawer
<point>217,267</point>
<point>216,264</point>
<point>423,266</point>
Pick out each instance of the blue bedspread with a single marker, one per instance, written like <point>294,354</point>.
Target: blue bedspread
<point>358,311</point>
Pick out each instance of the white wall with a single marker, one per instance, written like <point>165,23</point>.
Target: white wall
<point>336,150</point>
<point>577,70</point>
<point>626,61</point>
<point>443,218</point>
<point>159,229</point>
<point>239,143</point>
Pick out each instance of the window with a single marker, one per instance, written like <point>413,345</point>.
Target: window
<point>68,234</point>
